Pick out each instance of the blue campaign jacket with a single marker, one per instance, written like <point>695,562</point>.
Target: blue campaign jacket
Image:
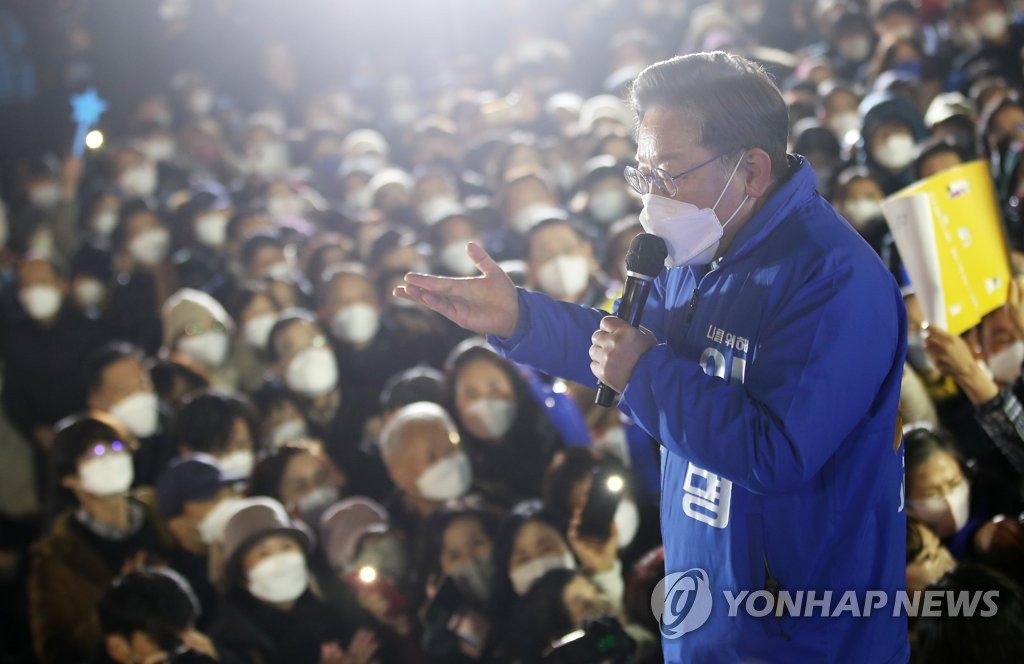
<point>774,392</point>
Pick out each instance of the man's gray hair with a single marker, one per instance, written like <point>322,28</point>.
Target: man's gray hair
<point>734,102</point>
<point>414,413</point>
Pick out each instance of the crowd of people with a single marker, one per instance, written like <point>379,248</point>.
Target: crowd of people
<point>224,439</point>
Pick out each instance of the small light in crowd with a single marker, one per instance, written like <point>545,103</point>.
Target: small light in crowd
<point>367,574</point>
<point>94,139</point>
<point>615,483</point>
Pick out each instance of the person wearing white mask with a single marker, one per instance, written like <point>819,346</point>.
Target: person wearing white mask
<point>505,430</point>
<point>891,128</point>
<point>198,332</point>
<point>348,305</point>
<point>302,359</point>
<point>103,530</point>
<point>531,544</point>
<point>368,344</point>
<point>145,277</point>
<point>859,198</point>
<point>526,199</point>
<point>270,610</point>
<point>137,178</point>
<point>422,451</point>
<point>265,255</point>
<point>999,38</point>
<point>118,384</point>
<point>300,476</point>
<point>731,349</point>
<point>91,275</point>
<point>196,499</point>
<point>102,218</point>
<point>937,490</point>
<point>219,423</point>
<point>604,198</point>
<point>256,312</point>
<point>560,263</point>
<point>452,228</point>
<point>46,341</point>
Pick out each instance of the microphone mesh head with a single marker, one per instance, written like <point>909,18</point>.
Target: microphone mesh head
<point>646,255</point>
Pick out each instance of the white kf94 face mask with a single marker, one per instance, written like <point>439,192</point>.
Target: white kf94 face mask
<point>691,234</point>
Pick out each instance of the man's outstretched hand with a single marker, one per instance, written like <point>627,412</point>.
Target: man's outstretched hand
<point>488,304</point>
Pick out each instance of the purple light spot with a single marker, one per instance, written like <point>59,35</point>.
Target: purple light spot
<point>117,446</point>
<point>98,450</point>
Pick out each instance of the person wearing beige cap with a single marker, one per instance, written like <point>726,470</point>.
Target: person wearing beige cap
<point>197,332</point>
<point>370,557</point>
<point>270,612</point>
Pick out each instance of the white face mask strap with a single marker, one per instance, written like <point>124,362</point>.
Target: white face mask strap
<point>726,187</point>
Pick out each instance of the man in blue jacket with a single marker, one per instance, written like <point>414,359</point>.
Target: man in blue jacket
<point>768,367</point>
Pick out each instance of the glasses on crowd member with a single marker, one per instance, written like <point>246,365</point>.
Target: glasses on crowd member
<point>195,329</point>
<point>641,182</point>
<point>101,449</point>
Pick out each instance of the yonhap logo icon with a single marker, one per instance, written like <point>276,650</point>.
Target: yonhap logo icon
<point>682,602</point>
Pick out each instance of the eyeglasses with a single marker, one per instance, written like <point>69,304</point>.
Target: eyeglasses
<point>102,449</point>
<point>641,183</point>
<point>195,329</point>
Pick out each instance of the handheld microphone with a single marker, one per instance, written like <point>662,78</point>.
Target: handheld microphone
<point>644,261</point>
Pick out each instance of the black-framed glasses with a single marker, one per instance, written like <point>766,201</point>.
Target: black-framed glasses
<point>641,182</point>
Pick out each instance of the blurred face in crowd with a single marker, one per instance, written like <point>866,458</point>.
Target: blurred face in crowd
<point>104,471</point>
<point>560,262</point>
<point>146,239</point>
<point>536,541</point>
<point>190,527</point>
<point>1001,346</point>
<point>840,112</point>
<point>134,173</point>
<point>204,340</point>
<point>861,202</point>
<point>421,444</point>
<point>282,424</point>
<point>583,600</point>
<point>899,25</point>
<point>1008,123</point>
<point>939,161</point>
<point>270,260</point>
<point>405,256</point>
<point>256,320</point>
<point>305,360</point>
<point>931,562</point>
<point>40,290</point>
<point>392,197</point>
<point>609,199</point>
<point>43,191</point>
<point>350,309</point>
<point>989,18</point>
<point>464,541</point>
<point>855,44</point>
<point>309,485</point>
<point>521,196</point>
<point>432,188</point>
<point>103,219</point>
<point>453,234</point>
<point>265,550</point>
<point>253,222</point>
<point>126,392</point>
<point>892,145</point>
<point>485,401</point>
<point>210,226</point>
<point>939,494</point>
